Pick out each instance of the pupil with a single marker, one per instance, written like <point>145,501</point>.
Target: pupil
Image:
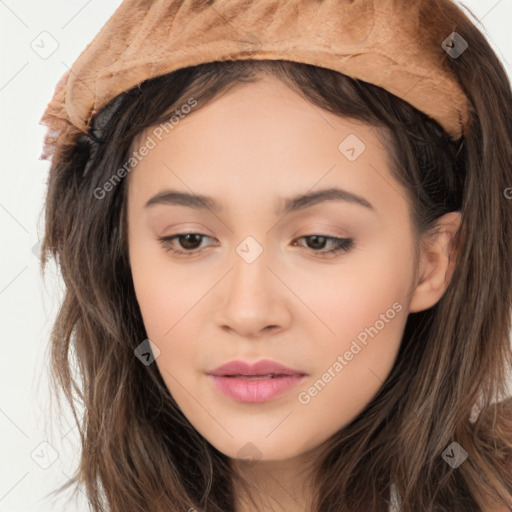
<point>315,239</point>
<point>188,244</point>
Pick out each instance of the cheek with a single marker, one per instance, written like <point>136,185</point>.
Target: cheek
<point>165,291</point>
<point>352,365</point>
<point>365,307</point>
<point>165,305</point>
<point>171,298</point>
<point>351,297</point>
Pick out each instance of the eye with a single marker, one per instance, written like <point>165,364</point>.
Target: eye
<point>190,243</point>
<point>320,241</point>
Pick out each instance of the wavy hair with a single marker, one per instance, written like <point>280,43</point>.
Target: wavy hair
<point>140,453</point>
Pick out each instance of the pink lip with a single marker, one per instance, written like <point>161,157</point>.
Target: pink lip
<point>263,367</point>
<point>232,380</point>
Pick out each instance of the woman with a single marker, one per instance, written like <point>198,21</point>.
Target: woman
<point>288,274</point>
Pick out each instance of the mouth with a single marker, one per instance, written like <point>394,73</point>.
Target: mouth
<point>255,382</point>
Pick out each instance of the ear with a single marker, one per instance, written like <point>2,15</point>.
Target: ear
<point>438,251</point>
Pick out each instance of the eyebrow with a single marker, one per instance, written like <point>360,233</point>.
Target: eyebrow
<point>292,204</point>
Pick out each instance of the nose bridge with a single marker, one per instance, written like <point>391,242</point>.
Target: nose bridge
<point>252,298</point>
<point>249,280</point>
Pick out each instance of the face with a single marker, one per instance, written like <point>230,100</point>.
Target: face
<point>321,285</point>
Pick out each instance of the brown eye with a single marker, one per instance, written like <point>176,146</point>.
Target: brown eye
<point>188,243</point>
<point>317,243</point>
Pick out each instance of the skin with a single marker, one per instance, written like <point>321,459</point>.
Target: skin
<point>249,149</point>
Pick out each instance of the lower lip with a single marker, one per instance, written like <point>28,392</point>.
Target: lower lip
<point>255,390</point>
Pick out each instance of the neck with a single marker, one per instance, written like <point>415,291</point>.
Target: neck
<point>276,486</point>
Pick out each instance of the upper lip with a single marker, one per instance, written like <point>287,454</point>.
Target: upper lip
<point>263,367</point>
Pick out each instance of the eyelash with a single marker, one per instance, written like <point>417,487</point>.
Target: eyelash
<point>343,244</point>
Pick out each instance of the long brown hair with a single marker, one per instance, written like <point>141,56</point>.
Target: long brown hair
<point>140,453</point>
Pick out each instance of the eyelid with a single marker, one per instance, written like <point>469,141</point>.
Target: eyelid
<point>321,228</point>
<point>169,238</point>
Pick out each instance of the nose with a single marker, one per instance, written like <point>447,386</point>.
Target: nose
<point>253,300</point>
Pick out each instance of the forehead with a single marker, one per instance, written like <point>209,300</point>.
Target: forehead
<point>261,139</point>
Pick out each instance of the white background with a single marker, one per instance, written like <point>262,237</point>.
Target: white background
<point>28,304</point>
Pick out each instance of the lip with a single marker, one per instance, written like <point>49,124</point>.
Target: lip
<point>236,380</point>
<point>262,367</point>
